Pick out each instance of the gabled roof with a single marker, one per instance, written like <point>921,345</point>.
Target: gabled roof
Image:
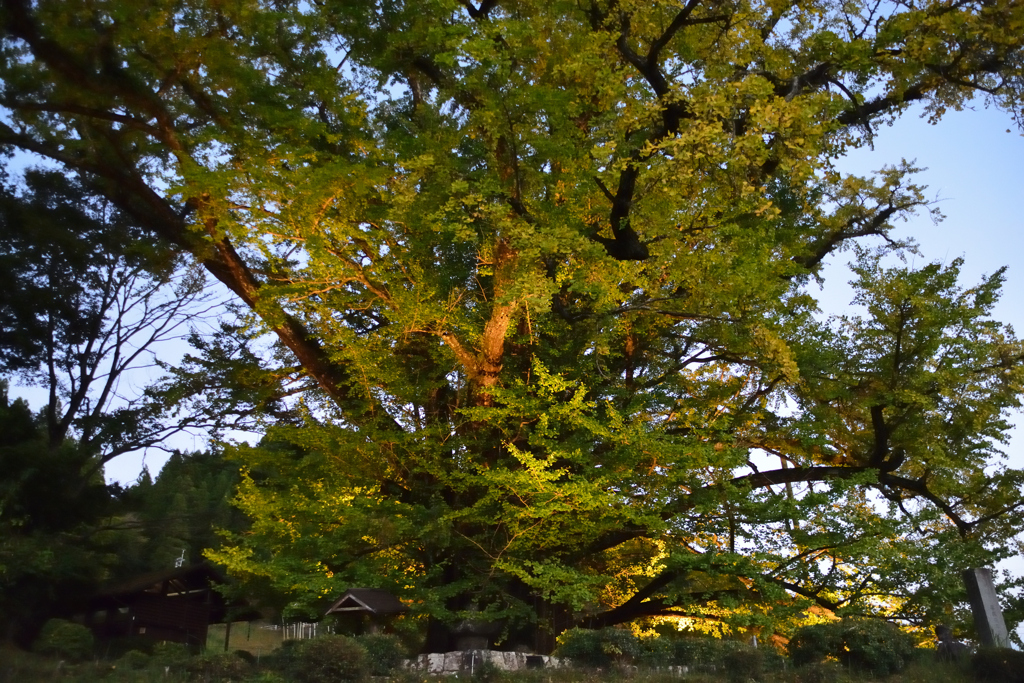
<point>371,600</point>
<point>180,580</point>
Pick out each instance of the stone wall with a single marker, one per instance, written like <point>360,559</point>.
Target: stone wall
<point>469,660</point>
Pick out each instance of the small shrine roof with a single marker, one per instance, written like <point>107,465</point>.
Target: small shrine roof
<point>369,600</point>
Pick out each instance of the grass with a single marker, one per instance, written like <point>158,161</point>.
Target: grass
<point>17,666</point>
<point>256,638</point>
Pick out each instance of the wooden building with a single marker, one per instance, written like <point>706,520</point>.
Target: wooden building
<point>176,605</point>
<point>365,610</point>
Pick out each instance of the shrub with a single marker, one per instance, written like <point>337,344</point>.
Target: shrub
<point>998,664</point>
<point>814,644</point>
<point>133,660</point>
<point>743,663</point>
<point>330,658</point>
<point>65,639</point>
<point>708,654</point>
<point>384,653</point>
<point>877,647</point>
<point>656,652</point>
<point>773,659</point>
<point>696,651</point>
<point>268,677</point>
<point>219,667</point>
<point>284,659</point>
<point>590,648</point>
<point>174,655</point>
<point>115,648</point>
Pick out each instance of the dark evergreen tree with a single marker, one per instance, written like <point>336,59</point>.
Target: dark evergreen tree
<point>55,543</point>
<point>181,512</point>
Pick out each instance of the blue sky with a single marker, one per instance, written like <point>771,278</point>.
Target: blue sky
<point>974,168</point>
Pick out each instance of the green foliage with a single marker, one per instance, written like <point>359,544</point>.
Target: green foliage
<point>541,279</point>
<point>998,664</point>
<point>173,656</point>
<point>85,291</point>
<point>282,659</point>
<point>610,646</point>
<point>331,658</point>
<point>84,294</point>
<point>134,660</point>
<point>184,509</point>
<point>822,672</point>
<point>22,667</point>
<point>48,515</point>
<point>61,638</point>
<point>114,648</point>
<point>224,666</point>
<point>736,659</point>
<point>44,488</point>
<point>268,677</point>
<point>56,249</point>
<point>170,653</point>
<point>744,664</point>
<point>866,645</point>
<point>601,648</point>
<point>694,652</point>
<point>384,653</point>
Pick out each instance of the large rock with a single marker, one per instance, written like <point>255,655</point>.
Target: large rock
<point>469,660</point>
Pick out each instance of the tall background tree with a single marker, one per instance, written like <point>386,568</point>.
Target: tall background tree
<point>180,513</point>
<point>544,266</point>
<point>86,300</point>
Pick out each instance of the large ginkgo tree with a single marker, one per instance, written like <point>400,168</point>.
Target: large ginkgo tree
<point>544,273</point>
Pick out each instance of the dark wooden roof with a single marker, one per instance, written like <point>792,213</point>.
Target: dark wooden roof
<point>368,600</point>
<point>167,582</point>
